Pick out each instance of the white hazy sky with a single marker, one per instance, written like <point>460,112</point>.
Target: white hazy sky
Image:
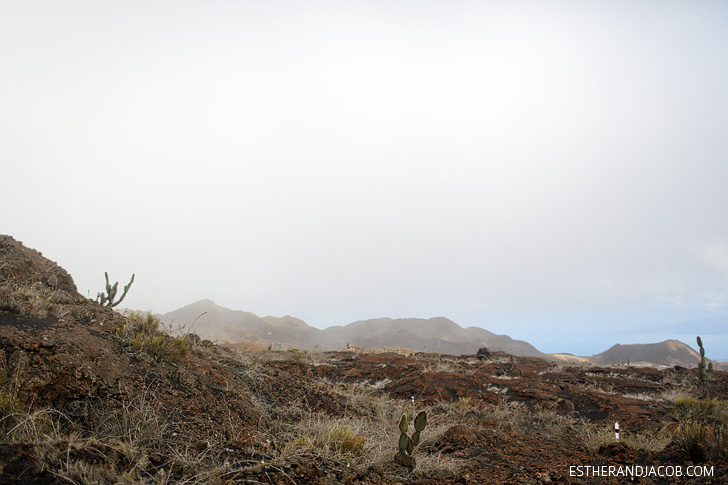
<point>552,170</point>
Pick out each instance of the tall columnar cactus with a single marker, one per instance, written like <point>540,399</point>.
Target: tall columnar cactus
<point>704,376</point>
<point>407,444</point>
<point>108,298</point>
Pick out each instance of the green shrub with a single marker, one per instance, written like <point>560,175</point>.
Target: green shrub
<point>701,442</point>
<point>704,411</point>
<point>144,332</point>
<point>703,431</point>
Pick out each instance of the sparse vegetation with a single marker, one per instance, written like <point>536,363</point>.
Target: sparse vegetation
<point>342,439</point>
<point>136,419</point>
<point>703,431</point>
<point>10,405</point>
<point>701,410</point>
<point>594,436</point>
<point>326,437</point>
<point>255,415</point>
<point>131,438</point>
<point>37,300</point>
<point>145,332</point>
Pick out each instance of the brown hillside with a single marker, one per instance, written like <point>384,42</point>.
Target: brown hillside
<point>64,352</point>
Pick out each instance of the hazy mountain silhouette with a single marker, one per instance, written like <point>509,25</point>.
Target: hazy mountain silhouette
<point>213,322</point>
<point>438,335</point>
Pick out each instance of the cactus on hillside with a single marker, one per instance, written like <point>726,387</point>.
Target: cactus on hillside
<point>107,299</point>
<point>704,375</point>
<point>407,444</point>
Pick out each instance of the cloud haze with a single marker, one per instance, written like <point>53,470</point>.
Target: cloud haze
<point>551,170</point>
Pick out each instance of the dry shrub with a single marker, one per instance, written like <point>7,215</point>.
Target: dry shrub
<point>593,436</point>
<point>36,300</point>
<point>514,416</point>
<point>137,420</point>
<point>11,408</point>
<point>321,435</point>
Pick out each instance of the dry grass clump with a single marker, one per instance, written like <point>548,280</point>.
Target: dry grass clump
<point>125,440</point>
<point>37,300</point>
<point>444,364</point>
<point>137,420</point>
<point>145,332</point>
<point>105,442</point>
<point>321,435</point>
<point>247,366</point>
<point>671,395</point>
<point>518,418</point>
<point>11,407</point>
<point>593,436</point>
<point>667,395</point>
<point>513,416</point>
<point>560,366</point>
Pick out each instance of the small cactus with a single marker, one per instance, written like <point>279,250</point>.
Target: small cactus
<point>107,299</point>
<point>407,444</point>
<point>704,375</point>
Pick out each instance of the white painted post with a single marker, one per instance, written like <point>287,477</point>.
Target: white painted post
<point>616,431</point>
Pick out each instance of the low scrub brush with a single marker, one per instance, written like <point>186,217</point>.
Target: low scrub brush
<point>703,431</point>
<point>144,332</point>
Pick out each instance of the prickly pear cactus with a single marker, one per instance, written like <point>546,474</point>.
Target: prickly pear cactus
<point>407,444</point>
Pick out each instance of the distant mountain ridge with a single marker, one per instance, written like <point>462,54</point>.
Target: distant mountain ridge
<point>438,334</point>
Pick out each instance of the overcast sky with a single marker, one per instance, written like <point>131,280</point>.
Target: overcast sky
<point>552,170</point>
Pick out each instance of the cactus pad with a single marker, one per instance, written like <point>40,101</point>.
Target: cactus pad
<point>406,444</point>
<point>421,421</point>
<point>403,426</point>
